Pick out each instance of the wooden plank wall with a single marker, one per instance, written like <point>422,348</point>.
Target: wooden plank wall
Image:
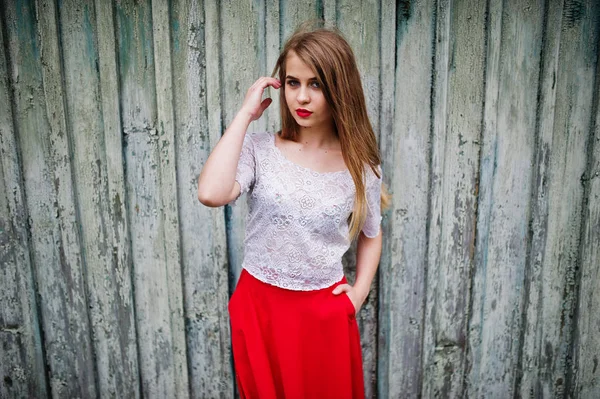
<point>115,280</point>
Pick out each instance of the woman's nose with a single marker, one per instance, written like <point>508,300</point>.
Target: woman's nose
<point>303,95</point>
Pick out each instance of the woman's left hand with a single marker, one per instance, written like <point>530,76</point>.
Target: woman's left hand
<point>357,298</point>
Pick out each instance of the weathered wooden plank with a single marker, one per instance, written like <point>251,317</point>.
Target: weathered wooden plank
<point>293,13</point>
<point>387,65</point>
<point>528,381</point>
<point>203,250</point>
<point>22,369</point>
<point>75,373</point>
<point>260,53</point>
<point>386,123</point>
<point>115,176</point>
<point>242,65</point>
<point>109,290</point>
<point>215,127</point>
<point>161,27</point>
<point>40,127</point>
<point>406,154</point>
<point>113,144</point>
<point>15,365</point>
<point>359,23</point>
<point>440,222</point>
<point>457,122</point>
<point>212,47</point>
<point>157,285</point>
<point>585,368</point>
<point>557,202</point>
<point>272,50</point>
<point>329,13</point>
<point>512,74</point>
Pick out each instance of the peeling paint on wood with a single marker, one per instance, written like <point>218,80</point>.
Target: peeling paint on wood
<point>154,242</point>
<point>22,367</point>
<point>406,155</point>
<point>203,244</point>
<point>55,246</point>
<point>551,283</point>
<point>457,123</point>
<point>584,371</point>
<point>512,76</point>
<point>109,286</point>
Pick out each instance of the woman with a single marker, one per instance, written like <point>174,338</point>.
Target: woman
<point>313,187</point>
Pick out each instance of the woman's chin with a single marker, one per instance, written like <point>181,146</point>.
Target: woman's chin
<point>303,123</point>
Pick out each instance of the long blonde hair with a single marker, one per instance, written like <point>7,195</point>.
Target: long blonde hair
<point>332,60</point>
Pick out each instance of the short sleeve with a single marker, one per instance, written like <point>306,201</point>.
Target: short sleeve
<point>246,167</point>
<point>373,191</point>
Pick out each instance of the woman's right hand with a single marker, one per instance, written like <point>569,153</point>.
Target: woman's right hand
<point>253,105</point>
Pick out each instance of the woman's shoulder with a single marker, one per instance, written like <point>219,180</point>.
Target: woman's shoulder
<point>260,135</point>
<point>260,139</point>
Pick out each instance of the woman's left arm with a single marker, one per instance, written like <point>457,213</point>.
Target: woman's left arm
<point>368,253</point>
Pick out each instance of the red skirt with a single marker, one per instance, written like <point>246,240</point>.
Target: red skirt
<point>294,344</point>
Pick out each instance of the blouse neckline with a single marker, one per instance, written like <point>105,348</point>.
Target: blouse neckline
<point>304,168</point>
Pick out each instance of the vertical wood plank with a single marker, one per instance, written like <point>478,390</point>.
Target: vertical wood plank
<point>457,121</point>
<point>330,13</point>
<point>558,204</point>
<point>203,249</point>
<point>512,75</point>
<point>406,154</point>
<point>585,369</point>
<point>359,23</point>
<point>431,370</point>
<point>241,67</point>
<point>22,369</point>
<point>386,123</point>
<point>113,145</point>
<point>214,76</point>
<point>41,131</point>
<point>110,292</point>
<point>168,188</point>
<point>529,382</point>
<point>215,125</point>
<point>115,176</point>
<point>293,13</point>
<point>150,210</point>
<point>272,50</point>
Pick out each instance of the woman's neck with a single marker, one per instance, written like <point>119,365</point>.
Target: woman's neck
<point>318,138</point>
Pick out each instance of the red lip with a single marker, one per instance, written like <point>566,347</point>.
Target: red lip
<point>303,113</point>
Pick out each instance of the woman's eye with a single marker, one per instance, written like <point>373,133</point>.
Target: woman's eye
<point>316,85</point>
<point>292,82</point>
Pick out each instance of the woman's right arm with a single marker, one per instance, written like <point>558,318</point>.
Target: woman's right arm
<point>216,183</point>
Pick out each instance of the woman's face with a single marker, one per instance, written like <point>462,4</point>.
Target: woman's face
<point>303,95</point>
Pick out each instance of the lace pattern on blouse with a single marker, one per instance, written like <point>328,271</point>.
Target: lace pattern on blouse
<point>297,221</point>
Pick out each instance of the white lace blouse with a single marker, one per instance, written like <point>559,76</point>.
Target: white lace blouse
<point>297,222</point>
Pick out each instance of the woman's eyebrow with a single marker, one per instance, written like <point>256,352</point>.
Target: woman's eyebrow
<point>291,77</point>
